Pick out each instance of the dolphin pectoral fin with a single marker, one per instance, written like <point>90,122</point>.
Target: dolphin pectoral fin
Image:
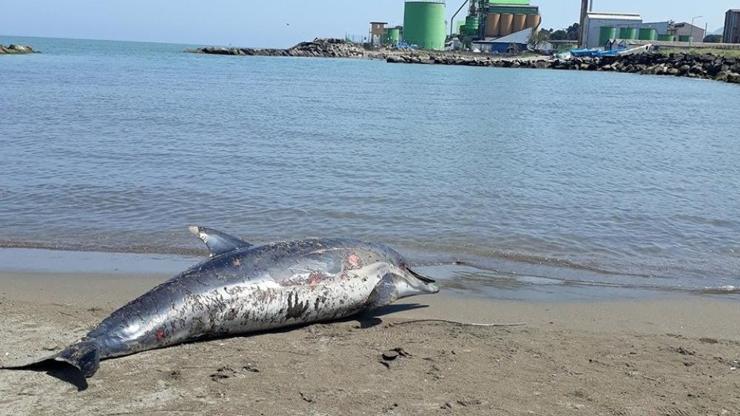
<point>383,294</point>
<point>216,241</point>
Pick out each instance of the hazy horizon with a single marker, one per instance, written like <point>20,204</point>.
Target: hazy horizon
<point>230,22</point>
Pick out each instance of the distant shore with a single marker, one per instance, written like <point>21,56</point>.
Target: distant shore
<point>705,66</point>
<point>682,64</point>
<point>16,50</point>
<point>645,357</point>
<point>337,48</point>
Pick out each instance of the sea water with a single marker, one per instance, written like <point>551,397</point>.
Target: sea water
<point>511,183</point>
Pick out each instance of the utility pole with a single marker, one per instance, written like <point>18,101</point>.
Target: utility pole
<point>691,29</point>
<point>582,31</point>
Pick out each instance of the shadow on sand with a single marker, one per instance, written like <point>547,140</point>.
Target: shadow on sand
<point>73,376</point>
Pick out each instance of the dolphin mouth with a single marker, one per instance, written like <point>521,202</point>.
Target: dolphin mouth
<point>420,277</point>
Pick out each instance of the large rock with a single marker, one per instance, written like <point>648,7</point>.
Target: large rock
<point>330,48</point>
<point>15,49</point>
<point>723,76</point>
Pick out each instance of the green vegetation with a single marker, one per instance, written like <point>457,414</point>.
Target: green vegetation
<point>570,33</point>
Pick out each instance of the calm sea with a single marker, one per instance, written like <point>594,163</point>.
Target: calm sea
<point>508,183</point>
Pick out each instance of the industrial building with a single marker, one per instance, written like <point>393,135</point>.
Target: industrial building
<point>599,28</point>
<point>732,26</point>
<point>500,25</point>
<point>508,25</point>
<point>490,25</point>
<point>677,32</point>
<point>377,31</point>
<point>686,32</point>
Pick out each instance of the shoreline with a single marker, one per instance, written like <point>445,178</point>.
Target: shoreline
<point>702,66</point>
<point>674,314</point>
<point>507,279</point>
<point>498,280</point>
<point>676,356</point>
<point>707,66</point>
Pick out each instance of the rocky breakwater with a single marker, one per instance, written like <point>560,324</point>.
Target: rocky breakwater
<point>682,65</point>
<point>325,48</point>
<point>15,50</point>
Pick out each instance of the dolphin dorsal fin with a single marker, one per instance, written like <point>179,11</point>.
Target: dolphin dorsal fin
<point>216,241</point>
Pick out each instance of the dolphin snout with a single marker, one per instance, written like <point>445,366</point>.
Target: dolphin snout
<point>428,285</point>
<point>432,288</point>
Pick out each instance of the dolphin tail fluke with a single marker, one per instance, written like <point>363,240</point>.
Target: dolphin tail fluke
<point>74,365</point>
<point>84,356</point>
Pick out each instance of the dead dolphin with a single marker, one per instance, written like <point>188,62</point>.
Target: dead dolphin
<point>243,288</point>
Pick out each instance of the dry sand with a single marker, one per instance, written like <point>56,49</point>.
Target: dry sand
<point>669,357</point>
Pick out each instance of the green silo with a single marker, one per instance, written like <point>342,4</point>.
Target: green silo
<point>666,38</point>
<point>392,36</point>
<point>629,33</point>
<point>607,33</point>
<point>472,25</point>
<point>424,24</point>
<point>647,33</point>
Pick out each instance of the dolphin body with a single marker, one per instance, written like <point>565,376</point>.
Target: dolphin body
<point>243,288</point>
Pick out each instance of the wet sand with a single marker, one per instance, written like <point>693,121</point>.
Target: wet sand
<point>668,357</point>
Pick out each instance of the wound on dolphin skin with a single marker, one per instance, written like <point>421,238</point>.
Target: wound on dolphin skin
<point>315,278</point>
<point>160,334</point>
<point>354,261</point>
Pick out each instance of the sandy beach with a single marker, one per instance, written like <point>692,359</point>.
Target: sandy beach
<point>664,357</point>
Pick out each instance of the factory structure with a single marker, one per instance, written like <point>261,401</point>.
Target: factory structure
<point>489,25</point>
<point>500,25</point>
<point>601,29</point>
<point>508,25</point>
<point>424,27</point>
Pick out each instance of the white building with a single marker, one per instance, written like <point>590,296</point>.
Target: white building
<point>687,29</point>
<point>596,20</point>
<point>678,29</point>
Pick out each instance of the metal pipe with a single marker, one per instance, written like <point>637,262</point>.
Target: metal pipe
<point>452,20</point>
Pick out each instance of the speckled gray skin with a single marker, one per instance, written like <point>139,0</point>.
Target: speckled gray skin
<point>243,289</point>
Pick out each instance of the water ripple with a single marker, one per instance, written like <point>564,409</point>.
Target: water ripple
<point>553,175</point>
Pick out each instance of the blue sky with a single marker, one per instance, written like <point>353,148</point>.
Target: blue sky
<point>278,24</point>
